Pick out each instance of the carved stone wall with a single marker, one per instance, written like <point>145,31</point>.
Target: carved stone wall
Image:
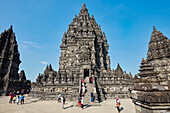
<point>10,80</point>
<point>84,49</point>
<point>151,91</point>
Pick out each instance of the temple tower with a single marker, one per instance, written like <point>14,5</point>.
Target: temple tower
<point>10,80</point>
<point>84,54</point>
<point>84,49</point>
<point>151,91</point>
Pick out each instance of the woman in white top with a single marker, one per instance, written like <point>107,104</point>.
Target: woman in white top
<point>62,101</point>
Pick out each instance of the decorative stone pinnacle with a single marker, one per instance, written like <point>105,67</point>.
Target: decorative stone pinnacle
<point>154,28</point>
<point>104,36</point>
<point>84,5</point>
<point>99,27</point>
<point>10,29</point>
<point>92,16</point>
<point>75,16</point>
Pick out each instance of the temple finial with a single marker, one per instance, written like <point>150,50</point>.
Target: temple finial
<point>10,29</point>
<point>75,16</point>
<point>84,5</point>
<point>92,16</point>
<point>154,28</point>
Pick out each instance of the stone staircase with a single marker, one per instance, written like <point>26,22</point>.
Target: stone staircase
<point>89,89</point>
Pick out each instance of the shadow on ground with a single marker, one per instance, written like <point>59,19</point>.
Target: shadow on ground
<point>33,101</point>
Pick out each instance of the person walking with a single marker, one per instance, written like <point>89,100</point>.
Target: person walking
<point>92,97</point>
<point>59,97</point>
<point>62,102</point>
<point>91,80</point>
<point>118,105</point>
<point>83,90</point>
<point>22,99</point>
<point>11,98</point>
<point>14,99</point>
<point>18,99</point>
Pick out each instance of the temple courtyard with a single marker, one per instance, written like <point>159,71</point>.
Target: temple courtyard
<point>35,105</point>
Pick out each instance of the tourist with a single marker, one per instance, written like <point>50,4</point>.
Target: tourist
<point>91,80</point>
<point>118,105</point>
<point>11,97</point>
<point>22,92</point>
<point>83,90</point>
<point>18,99</point>
<point>14,99</point>
<point>79,102</point>
<point>22,99</point>
<point>92,97</point>
<point>17,93</point>
<point>82,80</point>
<point>62,101</point>
<point>59,97</point>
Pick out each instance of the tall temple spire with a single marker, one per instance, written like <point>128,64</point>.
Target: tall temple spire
<point>50,67</point>
<point>9,62</point>
<point>118,68</point>
<point>84,15</point>
<point>158,45</point>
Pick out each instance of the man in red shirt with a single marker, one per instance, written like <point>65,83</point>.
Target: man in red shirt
<point>11,98</point>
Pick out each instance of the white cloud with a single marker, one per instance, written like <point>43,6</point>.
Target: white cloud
<point>44,62</point>
<point>23,45</point>
<point>29,43</point>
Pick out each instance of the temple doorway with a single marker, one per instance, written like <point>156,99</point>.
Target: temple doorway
<point>86,73</point>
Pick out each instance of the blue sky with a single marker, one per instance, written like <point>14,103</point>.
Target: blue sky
<point>39,26</point>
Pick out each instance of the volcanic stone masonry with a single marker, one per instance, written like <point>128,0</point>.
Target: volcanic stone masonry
<point>10,80</point>
<point>151,92</point>
<point>84,54</point>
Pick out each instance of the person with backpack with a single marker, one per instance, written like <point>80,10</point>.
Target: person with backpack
<point>118,105</point>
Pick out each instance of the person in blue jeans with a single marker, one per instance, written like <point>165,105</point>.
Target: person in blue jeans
<point>22,99</point>
<point>92,97</point>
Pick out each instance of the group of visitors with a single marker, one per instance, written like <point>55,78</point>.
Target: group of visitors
<point>82,94</point>
<point>61,99</point>
<point>16,97</point>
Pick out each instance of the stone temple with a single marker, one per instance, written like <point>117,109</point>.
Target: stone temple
<point>10,80</point>
<point>151,92</point>
<point>84,54</point>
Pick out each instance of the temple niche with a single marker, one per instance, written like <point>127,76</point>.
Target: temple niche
<point>151,91</point>
<point>84,54</point>
<point>10,80</point>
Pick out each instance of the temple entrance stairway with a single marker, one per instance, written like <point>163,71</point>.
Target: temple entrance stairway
<point>90,87</point>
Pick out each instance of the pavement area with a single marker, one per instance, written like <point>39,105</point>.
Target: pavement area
<point>35,105</point>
